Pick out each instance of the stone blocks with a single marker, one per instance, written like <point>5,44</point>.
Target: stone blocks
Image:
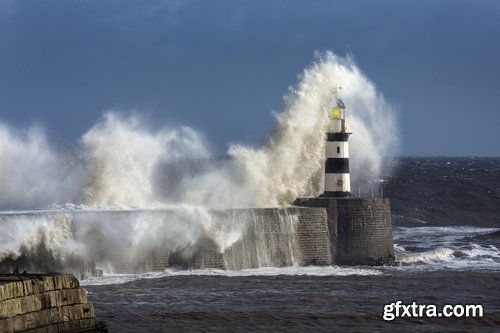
<point>271,237</point>
<point>44,303</point>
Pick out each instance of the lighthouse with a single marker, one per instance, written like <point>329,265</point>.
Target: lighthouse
<point>360,229</point>
<point>337,180</point>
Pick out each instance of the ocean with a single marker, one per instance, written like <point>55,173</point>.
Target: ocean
<point>446,217</point>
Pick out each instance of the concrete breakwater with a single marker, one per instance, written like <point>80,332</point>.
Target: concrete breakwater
<point>319,231</point>
<point>272,237</point>
<point>44,303</point>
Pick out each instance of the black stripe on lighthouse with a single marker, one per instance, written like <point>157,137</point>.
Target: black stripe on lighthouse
<point>337,165</point>
<point>339,136</point>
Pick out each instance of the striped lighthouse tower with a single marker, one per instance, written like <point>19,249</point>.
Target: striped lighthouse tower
<point>337,180</point>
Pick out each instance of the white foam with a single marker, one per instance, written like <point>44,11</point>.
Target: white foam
<point>109,279</point>
<point>448,248</point>
<point>399,250</point>
<point>263,271</point>
<point>482,252</point>
<point>464,257</point>
<point>71,240</point>
<point>441,235</point>
<point>440,254</point>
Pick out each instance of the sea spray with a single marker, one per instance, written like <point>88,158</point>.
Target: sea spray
<point>34,173</point>
<point>124,157</point>
<point>270,240</point>
<point>132,166</point>
<point>112,239</point>
<point>122,164</point>
<point>290,164</point>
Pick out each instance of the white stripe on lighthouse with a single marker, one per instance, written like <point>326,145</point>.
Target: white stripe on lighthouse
<point>337,149</point>
<point>337,182</point>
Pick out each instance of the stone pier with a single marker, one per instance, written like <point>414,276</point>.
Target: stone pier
<point>317,231</point>
<point>44,303</point>
<point>272,237</point>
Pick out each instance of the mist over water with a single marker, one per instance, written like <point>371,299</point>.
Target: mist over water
<point>121,163</point>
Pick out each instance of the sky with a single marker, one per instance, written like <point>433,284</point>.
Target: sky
<point>223,66</point>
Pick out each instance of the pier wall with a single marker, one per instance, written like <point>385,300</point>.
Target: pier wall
<point>271,237</point>
<point>44,303</point>
<point>317,231</point>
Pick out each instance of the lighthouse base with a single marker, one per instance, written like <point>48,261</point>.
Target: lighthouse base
<point>360,229</point>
